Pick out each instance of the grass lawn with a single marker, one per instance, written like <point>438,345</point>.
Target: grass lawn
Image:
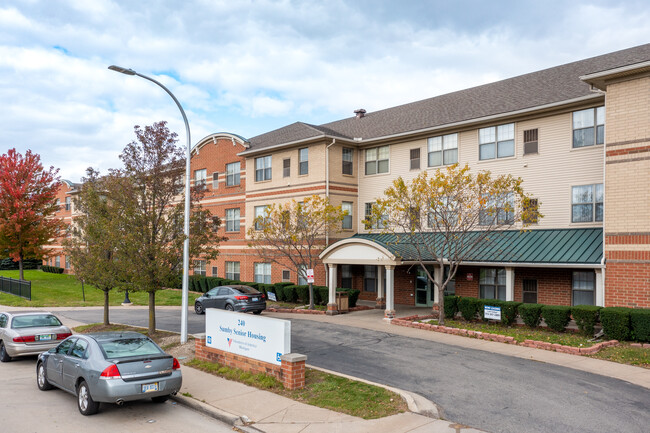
<point>625,354</point>
<point>61,290</point>
<point>321,389</point>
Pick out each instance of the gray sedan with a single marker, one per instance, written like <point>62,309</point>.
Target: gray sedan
<point>24,333</point>
<point>233,298</point>
<point>109,367</point>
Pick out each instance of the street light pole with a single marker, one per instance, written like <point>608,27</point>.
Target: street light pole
<point>186,226</point>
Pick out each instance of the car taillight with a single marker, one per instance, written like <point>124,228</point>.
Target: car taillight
<point>176,365</point>
<point>63,336</point>
<point>111,372</point>
<point>241,298</point>
<point>25,339</point>
<point>263,296</point>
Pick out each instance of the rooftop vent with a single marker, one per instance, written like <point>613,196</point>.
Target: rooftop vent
<point>360,113</point>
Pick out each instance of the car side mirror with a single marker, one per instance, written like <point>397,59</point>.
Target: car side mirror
<point>207,295</point>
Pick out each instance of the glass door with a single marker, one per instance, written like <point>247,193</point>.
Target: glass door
<point>423,289</point>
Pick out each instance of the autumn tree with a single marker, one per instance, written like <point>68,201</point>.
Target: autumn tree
<point>94,238</point>
<point>295,232</point>
<point>27,204</point>
<point>447,215</point>
<point>145,196</point>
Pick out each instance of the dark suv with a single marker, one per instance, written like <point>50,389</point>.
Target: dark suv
<point>233,298</point>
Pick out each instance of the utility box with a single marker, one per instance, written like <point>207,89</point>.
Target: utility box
<point>342,302</point>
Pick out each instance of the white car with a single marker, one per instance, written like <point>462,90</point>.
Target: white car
<point>24,333</point>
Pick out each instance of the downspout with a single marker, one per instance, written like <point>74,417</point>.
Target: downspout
<point>327,194</point>
<point>602,261</point>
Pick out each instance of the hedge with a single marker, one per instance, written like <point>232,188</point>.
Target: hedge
<point>531,314</point>
<point>52,269</point>
<point>616,322</point>
<point>323,294</point>
<point>640,324</point>
<point>451,306</point>
<point>468,307</point>
<point>303,293</point>
<point>508,309</point>
<point>556,316</point>
<point>290,293</point>
<point>586,317</point>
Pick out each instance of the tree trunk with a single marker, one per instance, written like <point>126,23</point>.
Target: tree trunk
<point>152,312</point>
<point>311,296</point>
<point>106,322</point>
<point>441,305</point>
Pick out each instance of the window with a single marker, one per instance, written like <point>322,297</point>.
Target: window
<point>442,150</point>
<point>199,267</point>
<point>589,127</point>
<point>450,290</point>
<point>347,160</point>
<point>302,275</point>
<point>444,214</point>
<point>263,273</point>
<point>530,141</point>
<point>260,212</point>
<point>587,203</point>
<point>215,180</point>
<point>499,210</point>
<point>233,173</point>
<point>377,224</point>
<point>347,220</point>
<point>370,278</point>
<point>530,292</point>
<point>377,160</point>
<point>232,271</point>
<point>286,275</point>
<point>286,167</point>
<point>79,348</point>
<point>263,168</point>
<point>68,202</point>
<point>346,276</point>
<point>215,272</point>
<point>584,287</point>
<point>200,177</point>
<point>492,284</point>
<point>58,204</point>
<point>530,216</point>
<point>67,262</point>
<point>232,220</point>
<point>57,261</point>
<point>415,159</point>
<point>303,161</point>
<point>496,141</point>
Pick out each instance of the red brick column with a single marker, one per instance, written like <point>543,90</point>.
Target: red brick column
<point>293,370</point>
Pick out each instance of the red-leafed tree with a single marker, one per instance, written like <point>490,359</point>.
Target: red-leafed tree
<point>27,201</point>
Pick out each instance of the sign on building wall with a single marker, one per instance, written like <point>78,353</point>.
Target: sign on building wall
<point>492,313</point>
<point>261,338</point>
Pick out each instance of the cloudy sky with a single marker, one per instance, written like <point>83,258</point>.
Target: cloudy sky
<point>247,67</point>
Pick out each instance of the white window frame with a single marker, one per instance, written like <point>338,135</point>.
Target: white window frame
<point>597,196</point>
<point>303,161</point>
<point>233,174</point>
<point>233,219</point>
<point>233,271</point>
<point>377,225</point>
<point>443,146</point>
<point>260,211</point>
<point>497,137</point>
<point>347,164</point>
<point>302,272</point>
<point>263,170</point>
<point>496,283</point>
<point>585,121</point>
<point>583,282</point>
<point>199,267</point>
<point>377,160</point>
<point>262,273</point>
<point>347,220</point>
<point>200,177</point>
<point>68,203</point>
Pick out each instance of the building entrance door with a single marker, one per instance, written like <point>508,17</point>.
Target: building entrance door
<point>423,289</point>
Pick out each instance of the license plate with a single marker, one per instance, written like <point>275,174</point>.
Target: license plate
<point>149,387</point>
<point>43,337</point>
<point>255,299</point>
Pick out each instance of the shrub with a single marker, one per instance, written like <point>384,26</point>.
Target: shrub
<point>290,293</point>
<point>204,284</point>
<point>323,294</point>
<point>640,324</point>
<point>253,285</point>
<point>214,282</point>
<point>616,322</point>
<point>556,316</point>
<point>279,293</point>
<point>353,296</point>
<point>264,288</point>
<point>451,306</point>
<point>52,269</point>
<point>586,316</point>
<point>284,284</point>
<point>531,314</point>
<point>468,307</point>
<point>509,312</point>
<point>303,293</point>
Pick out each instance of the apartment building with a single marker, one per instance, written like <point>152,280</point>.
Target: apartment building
<point>578,134</point>
<point>66,211</point>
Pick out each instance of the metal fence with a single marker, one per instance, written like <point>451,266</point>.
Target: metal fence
<point>16,287</point>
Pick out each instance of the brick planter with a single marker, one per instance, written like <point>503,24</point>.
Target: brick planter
<point>291,372</point>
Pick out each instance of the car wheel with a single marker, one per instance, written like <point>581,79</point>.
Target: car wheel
<point>160,399</point>
<point>229,307</point>
<point>258,312</point>
<point>41,378</point>
<point>87,406</point>
<point>4,356</point>
<point>198,308</point>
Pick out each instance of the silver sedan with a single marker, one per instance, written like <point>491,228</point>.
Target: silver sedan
<point>24,333</point>
<point>109,367</point>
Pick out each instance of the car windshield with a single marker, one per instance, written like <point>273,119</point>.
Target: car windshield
<point>126,347</point>
<point>35,320</point>
<point>246,289</point>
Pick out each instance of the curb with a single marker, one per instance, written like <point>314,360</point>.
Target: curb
<point>415,402</point>
<point>208,410</point>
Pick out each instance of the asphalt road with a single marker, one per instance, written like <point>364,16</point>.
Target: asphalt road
<point>489,391</point>
<point>24,408</point>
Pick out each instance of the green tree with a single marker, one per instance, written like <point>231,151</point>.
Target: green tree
<point>295,232</point>
<point>27,204</point>
<point>447,215</point>
<point>92,243</point>
<point>146,198</point>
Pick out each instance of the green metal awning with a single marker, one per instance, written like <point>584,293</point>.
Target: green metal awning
<point>563,247</point>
